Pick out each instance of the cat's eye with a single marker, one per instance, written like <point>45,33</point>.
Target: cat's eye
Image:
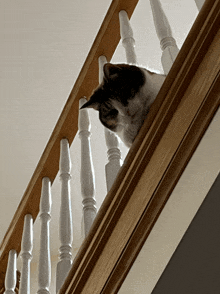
<point>113,113</point>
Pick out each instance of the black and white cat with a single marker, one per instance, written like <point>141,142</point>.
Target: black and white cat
<point>124,97</point>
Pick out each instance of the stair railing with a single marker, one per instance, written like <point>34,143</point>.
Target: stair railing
<point>169,53</point>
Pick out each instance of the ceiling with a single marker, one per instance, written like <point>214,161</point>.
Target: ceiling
<point>43,47</point>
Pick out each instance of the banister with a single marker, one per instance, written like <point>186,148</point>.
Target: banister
<point>105,43</point>
<point>201,47</point>
<point>182,111</point>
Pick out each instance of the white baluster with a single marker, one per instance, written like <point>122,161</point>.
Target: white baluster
<point>114,153</point>
<point>44,270</point>
<point>127,37</point>
<point>26,254</point>
<point>10,277</point>
<point>66,231</point>
<point>164,33</point>
<point>114,157</point>
<point>102,61</point>
<point>87,171</point>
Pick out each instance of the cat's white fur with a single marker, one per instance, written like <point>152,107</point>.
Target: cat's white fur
<point>131,117</point>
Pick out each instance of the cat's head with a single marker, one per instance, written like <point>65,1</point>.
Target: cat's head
<point>120,84</point>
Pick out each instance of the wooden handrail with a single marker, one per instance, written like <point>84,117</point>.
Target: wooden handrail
<point>105,43</point>
<point>175,125</point>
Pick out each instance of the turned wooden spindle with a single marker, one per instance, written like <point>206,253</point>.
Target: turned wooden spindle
<point>112,142</point>
<point>87,170</point>
<point>26,254</point>
<point>164,33</point>
<point>44,269</point>
<point>127,37</point>
<point>65,224</point>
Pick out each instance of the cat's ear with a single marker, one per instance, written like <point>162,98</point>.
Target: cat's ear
<point>91,104</point>
<point>111,71</point>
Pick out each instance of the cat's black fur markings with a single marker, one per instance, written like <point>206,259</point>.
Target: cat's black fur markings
<point>124,97</point>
